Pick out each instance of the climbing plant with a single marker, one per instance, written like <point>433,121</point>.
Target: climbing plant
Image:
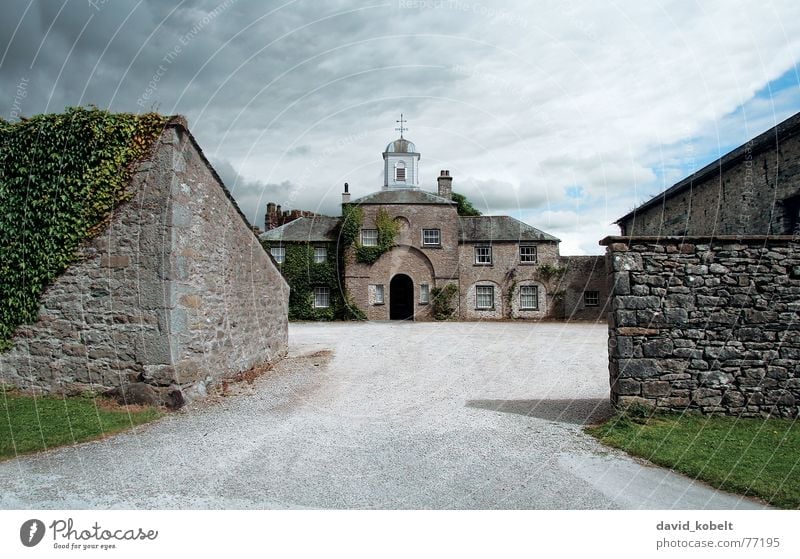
<point>61,175</point>
<point>387,233</point>
<point>443,301</point>
<point>352,219</point>
<point>303,275</point>
<point>464,207</point>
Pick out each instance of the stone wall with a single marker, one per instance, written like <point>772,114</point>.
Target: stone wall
<point>705,324</point>
<point>583,273</point>
<point>176,292</point>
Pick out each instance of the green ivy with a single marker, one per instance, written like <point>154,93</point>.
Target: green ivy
<point>443,301</point>
<point>551,271</point>
<point>464,207</point>
<point>61,175</point>
<point>352,219</point>
<point>303,275</point>
<point>388,229</point>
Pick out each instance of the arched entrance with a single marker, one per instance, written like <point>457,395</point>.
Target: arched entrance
<point>401,298</point>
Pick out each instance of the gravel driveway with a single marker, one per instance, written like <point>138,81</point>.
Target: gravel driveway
<point>380,415</point>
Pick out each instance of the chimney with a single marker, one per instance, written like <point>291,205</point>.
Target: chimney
<point>271,218</point>
<point>346,194</point>
<point>445,184</point>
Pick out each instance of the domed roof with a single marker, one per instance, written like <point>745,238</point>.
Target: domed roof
<point>401,145</point>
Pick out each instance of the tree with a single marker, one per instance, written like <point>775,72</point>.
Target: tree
<point>465,207</point>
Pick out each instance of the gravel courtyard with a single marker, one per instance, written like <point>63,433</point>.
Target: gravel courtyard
<point>380,415</point>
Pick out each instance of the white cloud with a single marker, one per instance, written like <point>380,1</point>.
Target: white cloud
<point>520,102</point>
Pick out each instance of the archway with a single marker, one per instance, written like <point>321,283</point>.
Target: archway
<point>401,298</point>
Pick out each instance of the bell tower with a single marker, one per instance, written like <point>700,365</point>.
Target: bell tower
<point>401,162</point>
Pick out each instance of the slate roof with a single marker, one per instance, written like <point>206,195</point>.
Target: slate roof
<point>403,196</point>
<point>499,228</point>
<point>305,229</point>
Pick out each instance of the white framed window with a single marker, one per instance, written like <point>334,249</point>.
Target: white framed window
<point>529,298</point>
<point>400,172</point>
<point>431,237</point>
<point>369,237</point>
<point>378,294</point>
<point>591,298</point>
<point>527,254</point>
<point>320,255</point>
<point>279,254</point>
<point>424,294</point>
<point>322,297</point>
<point>484,297</point>
<point>483,254</point>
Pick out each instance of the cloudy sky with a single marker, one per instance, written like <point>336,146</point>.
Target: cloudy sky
<point>565,114</point>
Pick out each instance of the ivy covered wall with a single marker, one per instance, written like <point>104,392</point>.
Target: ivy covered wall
<point>303,275</point>
<point>61,175</point>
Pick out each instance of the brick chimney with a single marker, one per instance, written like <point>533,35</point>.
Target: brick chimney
<point>346,194</point>
<point>445,184</point>
<point>271,217</point>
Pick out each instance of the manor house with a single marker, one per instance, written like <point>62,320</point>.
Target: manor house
<point>409,247</point>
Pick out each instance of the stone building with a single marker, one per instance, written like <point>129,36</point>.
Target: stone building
<point>753,190</point>
<point>705,287</point>
<point>173,295</point>
<point>475,267</point>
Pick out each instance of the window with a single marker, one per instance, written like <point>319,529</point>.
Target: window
<point>279,254</point>
<point>369,237</point>
<point>322,297</point>
<point>424,294</point>
<point>431,237</point>
<point>527,254</point>
<point>484,297</point>
<point>400,172</point>
<point>528,297</point>
<point>378,294</point>
<point>591,298</point>
<point>320,254</point>
<point>483,255</point>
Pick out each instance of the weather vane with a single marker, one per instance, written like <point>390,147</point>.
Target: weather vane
<point>402,128</point>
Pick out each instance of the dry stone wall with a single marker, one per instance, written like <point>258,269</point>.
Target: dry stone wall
<point>705,324</point>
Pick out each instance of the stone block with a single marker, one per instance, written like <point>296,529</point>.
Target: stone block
<point>657,348</point>
<point>713,379</point>
<point>636,302</point>
<point>655,388</point>
<point>621,346</point>
<point>706,397</point>
<point>621,283</point>
<point>626,262</point>
<point>679,300</point>
<point>636,331</point>
<point>627,387</point>
<point>638,368</point>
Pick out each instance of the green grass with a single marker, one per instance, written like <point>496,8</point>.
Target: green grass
<point>754,457</point>
<point>30,424</point>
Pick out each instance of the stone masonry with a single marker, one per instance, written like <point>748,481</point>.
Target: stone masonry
<point>753,190</point>
<point>176,293</point>
<point>705,324</point>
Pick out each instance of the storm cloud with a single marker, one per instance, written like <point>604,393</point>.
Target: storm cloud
<point>565,113</point>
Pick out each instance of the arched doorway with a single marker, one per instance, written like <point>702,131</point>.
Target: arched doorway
<point>401,298</point>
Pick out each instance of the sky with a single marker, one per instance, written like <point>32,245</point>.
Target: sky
<point>564,114</point>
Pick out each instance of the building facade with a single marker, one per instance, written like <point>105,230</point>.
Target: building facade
<point>405,253</point>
